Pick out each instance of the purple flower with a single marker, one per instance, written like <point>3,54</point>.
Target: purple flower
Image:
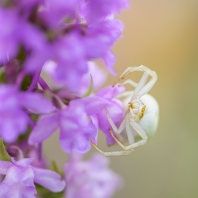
<point>76,128</point>
<point>35,43</point>
<point>94,10</point>
<point>24,5</point>
<point>101,36</point>
<point>93,178</point>
<point>21,148</point>
<point>20,177</point>
<point>16,31</point>
<point>70,54</point>
<point>9,34</point>
<point>71,42</point>
<point>114,107</point>
<point>71,33</point>
<point>98,75</point>
<point>72,51</point>
<point>53,12</point>
<point>14,120</point>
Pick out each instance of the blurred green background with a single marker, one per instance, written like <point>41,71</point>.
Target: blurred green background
<point>163,35</point>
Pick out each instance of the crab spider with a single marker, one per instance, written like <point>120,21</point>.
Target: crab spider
<point>141,117</point>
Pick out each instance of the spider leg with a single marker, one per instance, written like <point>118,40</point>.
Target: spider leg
<point>142,134</point>
<point>149,85</point>
<point>125,94</point>
<point>130,70</point>
<point>136,126</point>
<point>115,129</point>
<point>111,153</point>
<point>118,142</point>
<point>136,144</point>
<point>130,82</point>
<point>141,87</point>
<point>127,71</point>
<point>131,138</point>
<point>130,135</point>
<point>141,83</point>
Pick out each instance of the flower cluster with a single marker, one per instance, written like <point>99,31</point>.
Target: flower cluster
<point>20,177</point>
<point>92,178</point>
<point>59,39</point>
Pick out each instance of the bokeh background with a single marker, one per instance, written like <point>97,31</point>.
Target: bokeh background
<point>162,35</point>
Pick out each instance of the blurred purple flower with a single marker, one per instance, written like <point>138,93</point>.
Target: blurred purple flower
<point>95,72</point>
<point>14,120</point>
<point>70,53</point>
<point>54,12</point>
<point>73,51</point>
<point>113,105</point>
<point>20,178</point>
<point>21,148</point>
<point>101,36</point>
<point>76,129</point>
<point>71,33</point>
<point>9,34</point>
<point>98,76</point>
<point>115,109</point>
<point>94,10</point>
<point>15,32</point>
<point>93,178</point>
<point>35,44</point>
<point>24,5</point>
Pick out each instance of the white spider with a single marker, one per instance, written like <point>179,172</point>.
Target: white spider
<point>141,116</point>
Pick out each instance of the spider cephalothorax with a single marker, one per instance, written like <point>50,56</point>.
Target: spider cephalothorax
<point>137,109</point>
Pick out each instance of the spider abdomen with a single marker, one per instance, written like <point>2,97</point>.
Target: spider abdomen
<point>149,121</point>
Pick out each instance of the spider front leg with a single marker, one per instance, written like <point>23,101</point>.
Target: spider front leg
<point>115,129</point>
<point>130,136</point>
<point>134,68</point>
<point>118,142</point>
<point>136,126</point>
<point>141,88</point>
<point>124,124</point>
<point>125,94</point>
<point>111,153</point>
